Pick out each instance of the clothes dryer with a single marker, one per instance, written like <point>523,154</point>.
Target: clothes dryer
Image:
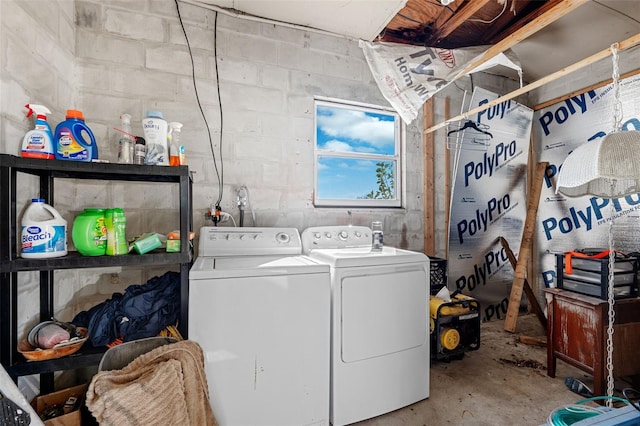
<point>261,313</point>
<point>380,341</point>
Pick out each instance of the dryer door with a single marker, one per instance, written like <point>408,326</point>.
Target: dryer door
<point>384,310</point>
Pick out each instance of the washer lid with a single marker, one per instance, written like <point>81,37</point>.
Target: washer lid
<point>254,266</point>
<point>354,257</point>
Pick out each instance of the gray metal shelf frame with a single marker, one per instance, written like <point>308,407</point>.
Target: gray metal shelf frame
<point>11,264</point>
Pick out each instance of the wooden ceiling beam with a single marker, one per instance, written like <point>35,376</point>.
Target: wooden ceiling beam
<point>446,24</point>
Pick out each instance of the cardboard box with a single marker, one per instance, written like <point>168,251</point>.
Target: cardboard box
<point>72,418</point>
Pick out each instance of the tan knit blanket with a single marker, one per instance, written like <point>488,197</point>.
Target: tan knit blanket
<point>166,386</point>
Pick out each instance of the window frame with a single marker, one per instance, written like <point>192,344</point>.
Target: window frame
<point>397,158</point>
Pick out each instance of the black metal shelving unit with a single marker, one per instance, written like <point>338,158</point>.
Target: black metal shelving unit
<point>10,264</point>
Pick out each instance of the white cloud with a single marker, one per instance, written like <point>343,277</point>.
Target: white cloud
<point>337,146</point>
<point>350,124</point>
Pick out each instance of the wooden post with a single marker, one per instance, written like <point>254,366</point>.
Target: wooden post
<point>429,182</point>
<point>533,300</point>
<point>447,182</point>
<point>525,248</point>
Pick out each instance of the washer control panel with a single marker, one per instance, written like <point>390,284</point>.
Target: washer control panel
<point>335,237</point>
<point>248,241</point>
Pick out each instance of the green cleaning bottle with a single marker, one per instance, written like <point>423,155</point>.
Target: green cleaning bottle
<point>116,223</point>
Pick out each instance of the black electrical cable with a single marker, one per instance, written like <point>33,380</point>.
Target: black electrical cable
<point>215,55</point>
<point>410,19</point>
<point>220,172</point>
<point>633,396</point>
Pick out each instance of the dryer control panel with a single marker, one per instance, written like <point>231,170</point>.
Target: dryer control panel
<point>335,237</point>
<point>248,241</point>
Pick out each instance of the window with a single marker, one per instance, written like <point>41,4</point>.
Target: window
<point>357,155</point>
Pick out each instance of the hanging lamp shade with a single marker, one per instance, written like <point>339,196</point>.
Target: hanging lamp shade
<point>608,167</point>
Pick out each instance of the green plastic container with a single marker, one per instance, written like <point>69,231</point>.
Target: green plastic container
<point>116,224</point>
<point>89,233</point>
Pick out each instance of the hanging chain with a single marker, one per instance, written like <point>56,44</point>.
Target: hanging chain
<point>617,121</point>
<point>611,312</point>
<point>617,102</point>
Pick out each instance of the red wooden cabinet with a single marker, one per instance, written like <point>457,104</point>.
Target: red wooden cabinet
<point>577,334</point>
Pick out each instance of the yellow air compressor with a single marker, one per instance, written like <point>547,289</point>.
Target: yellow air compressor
<point>454,326</point>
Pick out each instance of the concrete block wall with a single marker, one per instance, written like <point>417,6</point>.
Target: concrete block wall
<point>133,56</point>
<point>114,56</point>
<point>37,65</point>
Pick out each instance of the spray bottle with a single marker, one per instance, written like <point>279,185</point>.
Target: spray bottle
<point>126,141</point>
<point>175,148</point>
<point>38,143</point>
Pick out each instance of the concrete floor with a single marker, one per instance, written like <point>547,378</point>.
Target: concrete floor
<point>486,388</point>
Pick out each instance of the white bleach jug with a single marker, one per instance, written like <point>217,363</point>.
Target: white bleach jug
<point>44,232</point>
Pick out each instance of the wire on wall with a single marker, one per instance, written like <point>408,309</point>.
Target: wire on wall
<point>215,55</point>
<point>219,171</point>
<point>504,7</point>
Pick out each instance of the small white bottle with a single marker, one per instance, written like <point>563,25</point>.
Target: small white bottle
<point>377,237</point>
<point>155,135</point>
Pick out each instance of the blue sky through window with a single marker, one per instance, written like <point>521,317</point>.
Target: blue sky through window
<point>350,141</point>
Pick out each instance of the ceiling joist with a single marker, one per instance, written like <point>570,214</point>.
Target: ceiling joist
<point>451,23</point>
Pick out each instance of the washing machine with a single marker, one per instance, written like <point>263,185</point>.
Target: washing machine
<point>261,313</point>
<point>380,340</point>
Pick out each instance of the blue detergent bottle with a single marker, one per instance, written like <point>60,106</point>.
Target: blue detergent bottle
<point>74,140</point>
